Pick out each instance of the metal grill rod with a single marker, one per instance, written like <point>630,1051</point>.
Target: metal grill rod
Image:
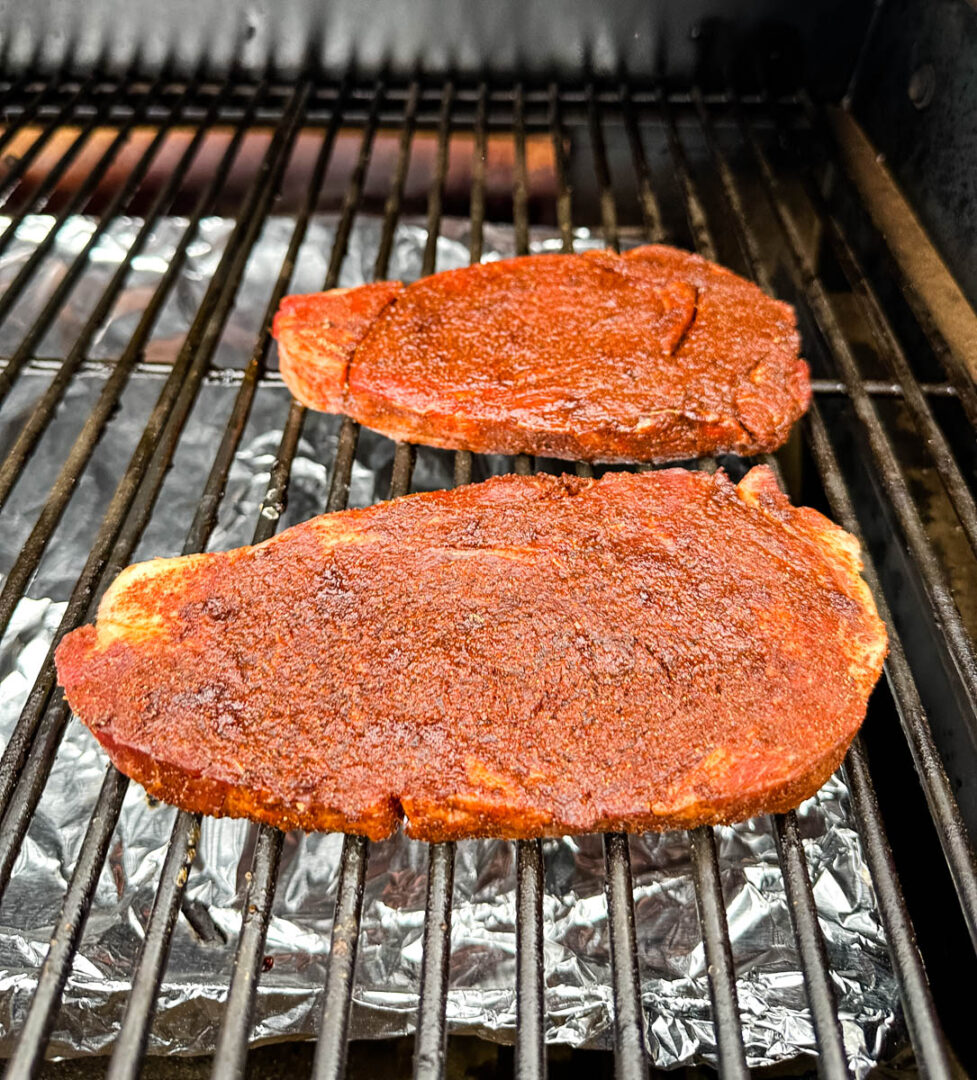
<point>30,110</point>
<point>75,203</point>
<point>888,346</point>
<point>629,1049</point>
<point>330,1059</point>
<point>119,372</point>
<point>921,1015</point>
<point>13,177</point>
<point>185,376</point>
<point>893,481</point>
<point>231,1053</point>
<point>134,1033</point>
<point>530,1051</point>
<point>952,364</point>
<point>43,410</point>
<point>943,805</point>
<point>651,210</point>
<point>429,1042</point>
<point>705,864</point>
<point>822,1000</point>
<point>54,972</point>
<point>221,375</point>
<point>803,912</point>
<point>431,1035</point>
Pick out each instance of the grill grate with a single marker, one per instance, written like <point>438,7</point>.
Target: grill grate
<point>793,131</point>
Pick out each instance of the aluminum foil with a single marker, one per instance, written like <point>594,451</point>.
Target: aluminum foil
<point>481,999</point>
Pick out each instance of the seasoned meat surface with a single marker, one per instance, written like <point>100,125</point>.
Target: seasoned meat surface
<point>524,657</point>
<point>654,355</point>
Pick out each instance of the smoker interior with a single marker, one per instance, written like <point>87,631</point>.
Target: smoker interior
<point>887,450</point>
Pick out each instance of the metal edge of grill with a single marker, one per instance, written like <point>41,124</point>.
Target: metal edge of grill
<point>443,109</point>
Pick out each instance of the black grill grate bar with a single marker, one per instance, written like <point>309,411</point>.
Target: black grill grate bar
<point>629,1040</point>
<point>822,1001</point>
<point>185,377</point>
<point>924,1026</point>
<point>16,173</point>
<point>354,188</point>
<point>530,1051</point>
<point>718,952</point>
<point>952,364</point>
<point>341,963</point>
<point>430,1040</point>
<point>219,374</point>
<point>330,1059</point>
<point>27,114</point>
<point>391,210</point>
<point>705,866</point>
<point>889,471</point>
<point>71,921</point>
<point>127,1054</point>
<point>564,193</point>
<point>43,411</point>
<point>230,1054</point>
<point>349,432</point>
<point>883,388</point>
<point>76,204</point>
<point>803,911</point>
<point>608,208</point>
<point>28,1055</point>
<point>232,1047</point>
<point>888,346</point>
<point>435,196</point>
<point>149,967</point>
<point>530,1015</point>
<point>695,214</point>
<point>629,1047</point>
<point>476,209</point>
<point>921,1018</point>
<point>520,176</point>
<point>655,229</point>
<point>943,806</point>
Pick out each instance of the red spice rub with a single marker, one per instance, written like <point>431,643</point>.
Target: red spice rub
<point>654,355</point>
<point>523,657</point>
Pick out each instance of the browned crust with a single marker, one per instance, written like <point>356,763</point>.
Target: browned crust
<point>753,415</point>
<point>153,598</point>
<point>449,818</point>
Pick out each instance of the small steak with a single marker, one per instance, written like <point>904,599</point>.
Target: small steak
<point>654,355</point>
<point>529,656</point>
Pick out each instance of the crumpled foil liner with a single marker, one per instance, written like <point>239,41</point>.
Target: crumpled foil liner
<point>481,1000</point>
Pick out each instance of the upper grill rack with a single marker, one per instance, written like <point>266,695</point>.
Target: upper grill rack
<point>739,137</point>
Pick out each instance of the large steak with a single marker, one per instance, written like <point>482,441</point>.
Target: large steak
<point>655,355</point>
<point>523,657</point>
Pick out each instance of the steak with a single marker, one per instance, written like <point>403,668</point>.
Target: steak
<point>528,656</point>
<point>654,355</point>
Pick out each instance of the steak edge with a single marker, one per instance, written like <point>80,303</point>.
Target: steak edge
<point>653,355</point>
<point>524,657</point>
